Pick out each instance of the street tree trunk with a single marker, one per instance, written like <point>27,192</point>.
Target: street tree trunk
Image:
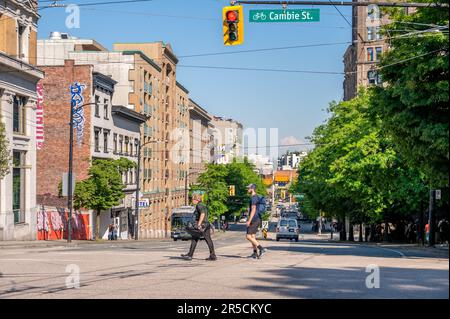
<point>386,231</point>
<point>360,232</point>
<point>351,236</point>
<point>97,225</point>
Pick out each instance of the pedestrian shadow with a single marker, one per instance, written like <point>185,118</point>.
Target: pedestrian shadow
<point>233,256</point>
<point>352,283</point>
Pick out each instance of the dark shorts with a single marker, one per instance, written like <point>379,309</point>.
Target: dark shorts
<point>253,228</point>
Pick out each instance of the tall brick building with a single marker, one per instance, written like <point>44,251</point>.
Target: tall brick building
<point>18,106</point>
<point>361,57</point>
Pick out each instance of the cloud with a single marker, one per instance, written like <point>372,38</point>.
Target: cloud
<point>292,143</point>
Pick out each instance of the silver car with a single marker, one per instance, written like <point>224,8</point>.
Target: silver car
<point>287,228</point>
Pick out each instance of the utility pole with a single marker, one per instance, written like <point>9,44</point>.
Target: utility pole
<point>347,3</point>
<point>69,175</point>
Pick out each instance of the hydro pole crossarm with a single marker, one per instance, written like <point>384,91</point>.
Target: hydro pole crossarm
<point>347,3</point>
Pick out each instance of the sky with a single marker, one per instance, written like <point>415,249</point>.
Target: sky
<point>295,103</point>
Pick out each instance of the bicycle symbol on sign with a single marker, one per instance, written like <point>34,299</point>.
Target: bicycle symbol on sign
<point>259,16</point>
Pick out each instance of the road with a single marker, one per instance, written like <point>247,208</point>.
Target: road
<point>312,268</point>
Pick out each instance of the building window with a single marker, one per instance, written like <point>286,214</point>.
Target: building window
<point>374,33</point>
<point>136,146</point>
<point>373,77</point>
<point>97,106</point>
<point>127,140</point>
<point>96,139</point>
<point>105,110</point>
<point>378,52</point>
<point>115,143</point>
<point>18,186</point>
<point>370,55</point>
<point>131,148</point>
<point>19,115</point>
<point>120,144</point>
<point>105,141</point>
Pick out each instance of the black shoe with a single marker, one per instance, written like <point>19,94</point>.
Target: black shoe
<point>254,255</point>
<point>262,252</point>
<point>186,257</point>
<point>211,258</point>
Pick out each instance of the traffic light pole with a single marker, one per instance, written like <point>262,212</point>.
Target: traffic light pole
<point>348,3</point>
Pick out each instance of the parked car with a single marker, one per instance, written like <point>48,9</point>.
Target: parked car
<point>287,228</point>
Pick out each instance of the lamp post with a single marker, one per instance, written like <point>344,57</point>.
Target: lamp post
<point>136,204</point>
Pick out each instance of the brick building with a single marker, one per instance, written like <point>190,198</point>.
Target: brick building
<point>109,132</point>
<point>18,106</point>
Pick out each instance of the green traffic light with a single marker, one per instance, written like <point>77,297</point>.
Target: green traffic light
<point>233,36</point>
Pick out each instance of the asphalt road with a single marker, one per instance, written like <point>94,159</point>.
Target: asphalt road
<point>312,268</point>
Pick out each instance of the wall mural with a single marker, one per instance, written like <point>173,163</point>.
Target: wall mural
<point>76,89</point>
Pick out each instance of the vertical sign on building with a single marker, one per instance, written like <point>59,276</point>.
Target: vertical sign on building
<point>76,89</point>
<point>40,117</point>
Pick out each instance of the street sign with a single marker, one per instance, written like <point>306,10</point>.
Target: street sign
<point>438,194</point>
<point>65,184</point>
<point>297,15</point>
<point>144,203</point>
<point>265,224</point>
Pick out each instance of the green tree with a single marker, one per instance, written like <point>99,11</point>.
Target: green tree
<point>4,152</point>
<point>354,171</point>
<point>104,188</point>
<point>413,101</point>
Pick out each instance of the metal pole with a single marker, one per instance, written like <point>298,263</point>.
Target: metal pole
<point>136,203</point>
<point>69,175</point>
<point>348,3</point>
<point>185,190</point>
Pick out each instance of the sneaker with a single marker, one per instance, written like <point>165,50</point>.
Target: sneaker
<point>211,258</point>
<point>262,252</point>
<point>186,257</point>
<point>254,255</point>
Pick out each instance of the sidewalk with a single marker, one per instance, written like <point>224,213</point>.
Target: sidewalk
<point>77,243</point>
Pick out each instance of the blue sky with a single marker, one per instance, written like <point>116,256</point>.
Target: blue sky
<point>295,103</point>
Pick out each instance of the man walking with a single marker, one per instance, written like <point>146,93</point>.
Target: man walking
<point>202,227</point>
<point>254,222</point>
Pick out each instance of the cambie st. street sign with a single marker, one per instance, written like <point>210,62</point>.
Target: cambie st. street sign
<point>297,15</point>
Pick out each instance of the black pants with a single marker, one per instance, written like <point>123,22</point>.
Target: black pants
<point>206,232</point>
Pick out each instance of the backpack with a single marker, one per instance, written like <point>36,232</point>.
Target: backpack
<point>261,207</point>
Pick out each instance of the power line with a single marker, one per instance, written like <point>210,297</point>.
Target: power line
<point>56,5</point>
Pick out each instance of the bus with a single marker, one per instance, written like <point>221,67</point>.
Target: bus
<point>182,217</point>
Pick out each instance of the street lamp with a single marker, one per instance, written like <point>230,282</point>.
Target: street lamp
<point>136,204</point>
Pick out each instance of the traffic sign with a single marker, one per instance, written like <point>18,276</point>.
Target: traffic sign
<point>297,15</point>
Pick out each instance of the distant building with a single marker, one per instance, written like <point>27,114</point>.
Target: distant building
<point>200,140</point>
<point>228,139</point>
<point>363,55</point>
<point>291,160</point>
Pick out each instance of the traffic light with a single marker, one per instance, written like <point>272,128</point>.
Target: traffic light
<point>233,25</point>
<point>232,190</point>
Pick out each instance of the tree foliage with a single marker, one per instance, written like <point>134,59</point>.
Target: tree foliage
<point>215,181</point>
<point>355,171</point>
<point>104,188</point>
<point>413,102</point>
<point>4,152</point>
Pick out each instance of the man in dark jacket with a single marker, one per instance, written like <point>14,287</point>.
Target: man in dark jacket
<point>201,228</point>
